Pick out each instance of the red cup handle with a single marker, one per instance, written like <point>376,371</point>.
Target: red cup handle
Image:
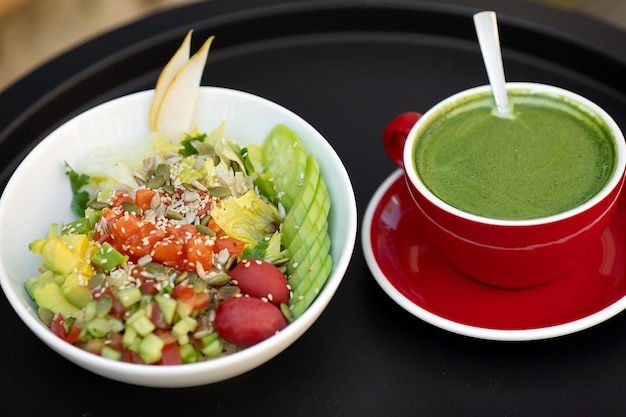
<point>396,133</point>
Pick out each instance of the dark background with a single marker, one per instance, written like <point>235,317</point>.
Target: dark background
<point>348,67</point>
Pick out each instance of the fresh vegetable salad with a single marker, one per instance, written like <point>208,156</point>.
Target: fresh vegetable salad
<point>186,252</point>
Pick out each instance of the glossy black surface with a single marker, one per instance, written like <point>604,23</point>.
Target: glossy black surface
<point>348,67</point>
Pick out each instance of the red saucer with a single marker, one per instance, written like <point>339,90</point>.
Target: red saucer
<point>414,275</point>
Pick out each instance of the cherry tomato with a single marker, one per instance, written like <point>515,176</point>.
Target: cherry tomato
<point>246,321</point>
<point>261,279</point>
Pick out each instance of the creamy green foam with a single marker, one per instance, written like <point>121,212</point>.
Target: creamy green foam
<point>551,157</point>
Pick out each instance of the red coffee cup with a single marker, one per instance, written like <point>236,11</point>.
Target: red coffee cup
<point>506,253</point>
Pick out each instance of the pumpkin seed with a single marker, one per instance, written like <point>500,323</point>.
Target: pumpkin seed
<point>205,230</point>
<point>155,268</point>
<point>181,277</point>
<point>189,187</point>
<point>163,170</point>
<point>155,182</point>
<point>173,215</point>
<point>98,205</point>
<point>169,189</point>
<point>218,280</point>
<point>131,207</point>
<point>219,192</point>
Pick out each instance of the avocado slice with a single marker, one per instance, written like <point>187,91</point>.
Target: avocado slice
<point>47,294</point>
<point>75,291</point>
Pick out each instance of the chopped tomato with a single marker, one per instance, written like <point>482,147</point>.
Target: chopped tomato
<point>74,332</point>
<point>126,227</point>
<point>115,340</point>
<point>118,310</point>
<point>214,226</point>
<point>182,232</point>
<point>107,218</point>
<point>201,301</point>
<point>166,336</point>
<point>94,346</point>
<point>132,357</point>
<point>156,316</point>
<point>58,326</point>
<point>170,355</point>
<point>200,251</point>
<point>143,197</point>
<point>143,242</point>
<point>234,246</point>
<point>169,253</point>
<point>148,286</point>
<point>186,293</point>
<point>183,292</point>
<point>120,197</point>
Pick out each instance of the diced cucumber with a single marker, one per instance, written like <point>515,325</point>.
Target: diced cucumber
<point>183,309</point>
<point>110,353</point>
<point>212,345</point>
<point>150,348</point>
<point>182,328</point>
<point>117,326</point>
<point>98,327</point>
<point>285,158</point>
<point>142,325</point>
<point>130,335</point>
<point>129,296</point>
<point>189,354</point>
<point>168,307</point>
<point>103,306</point>
<point>90,310</point>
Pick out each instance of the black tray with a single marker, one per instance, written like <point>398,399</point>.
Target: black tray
<point>348,67</point>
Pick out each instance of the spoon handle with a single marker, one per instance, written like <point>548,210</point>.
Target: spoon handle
<point>489,41</point>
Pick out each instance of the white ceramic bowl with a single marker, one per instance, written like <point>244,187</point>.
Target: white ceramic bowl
<point>39,194</point>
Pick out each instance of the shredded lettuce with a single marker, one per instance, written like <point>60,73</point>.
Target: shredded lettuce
<point>248,218</point>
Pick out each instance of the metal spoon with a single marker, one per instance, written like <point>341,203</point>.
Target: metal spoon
<point>489,41</point>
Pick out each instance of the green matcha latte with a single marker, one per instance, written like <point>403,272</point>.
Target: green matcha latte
<point>551,156</point>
